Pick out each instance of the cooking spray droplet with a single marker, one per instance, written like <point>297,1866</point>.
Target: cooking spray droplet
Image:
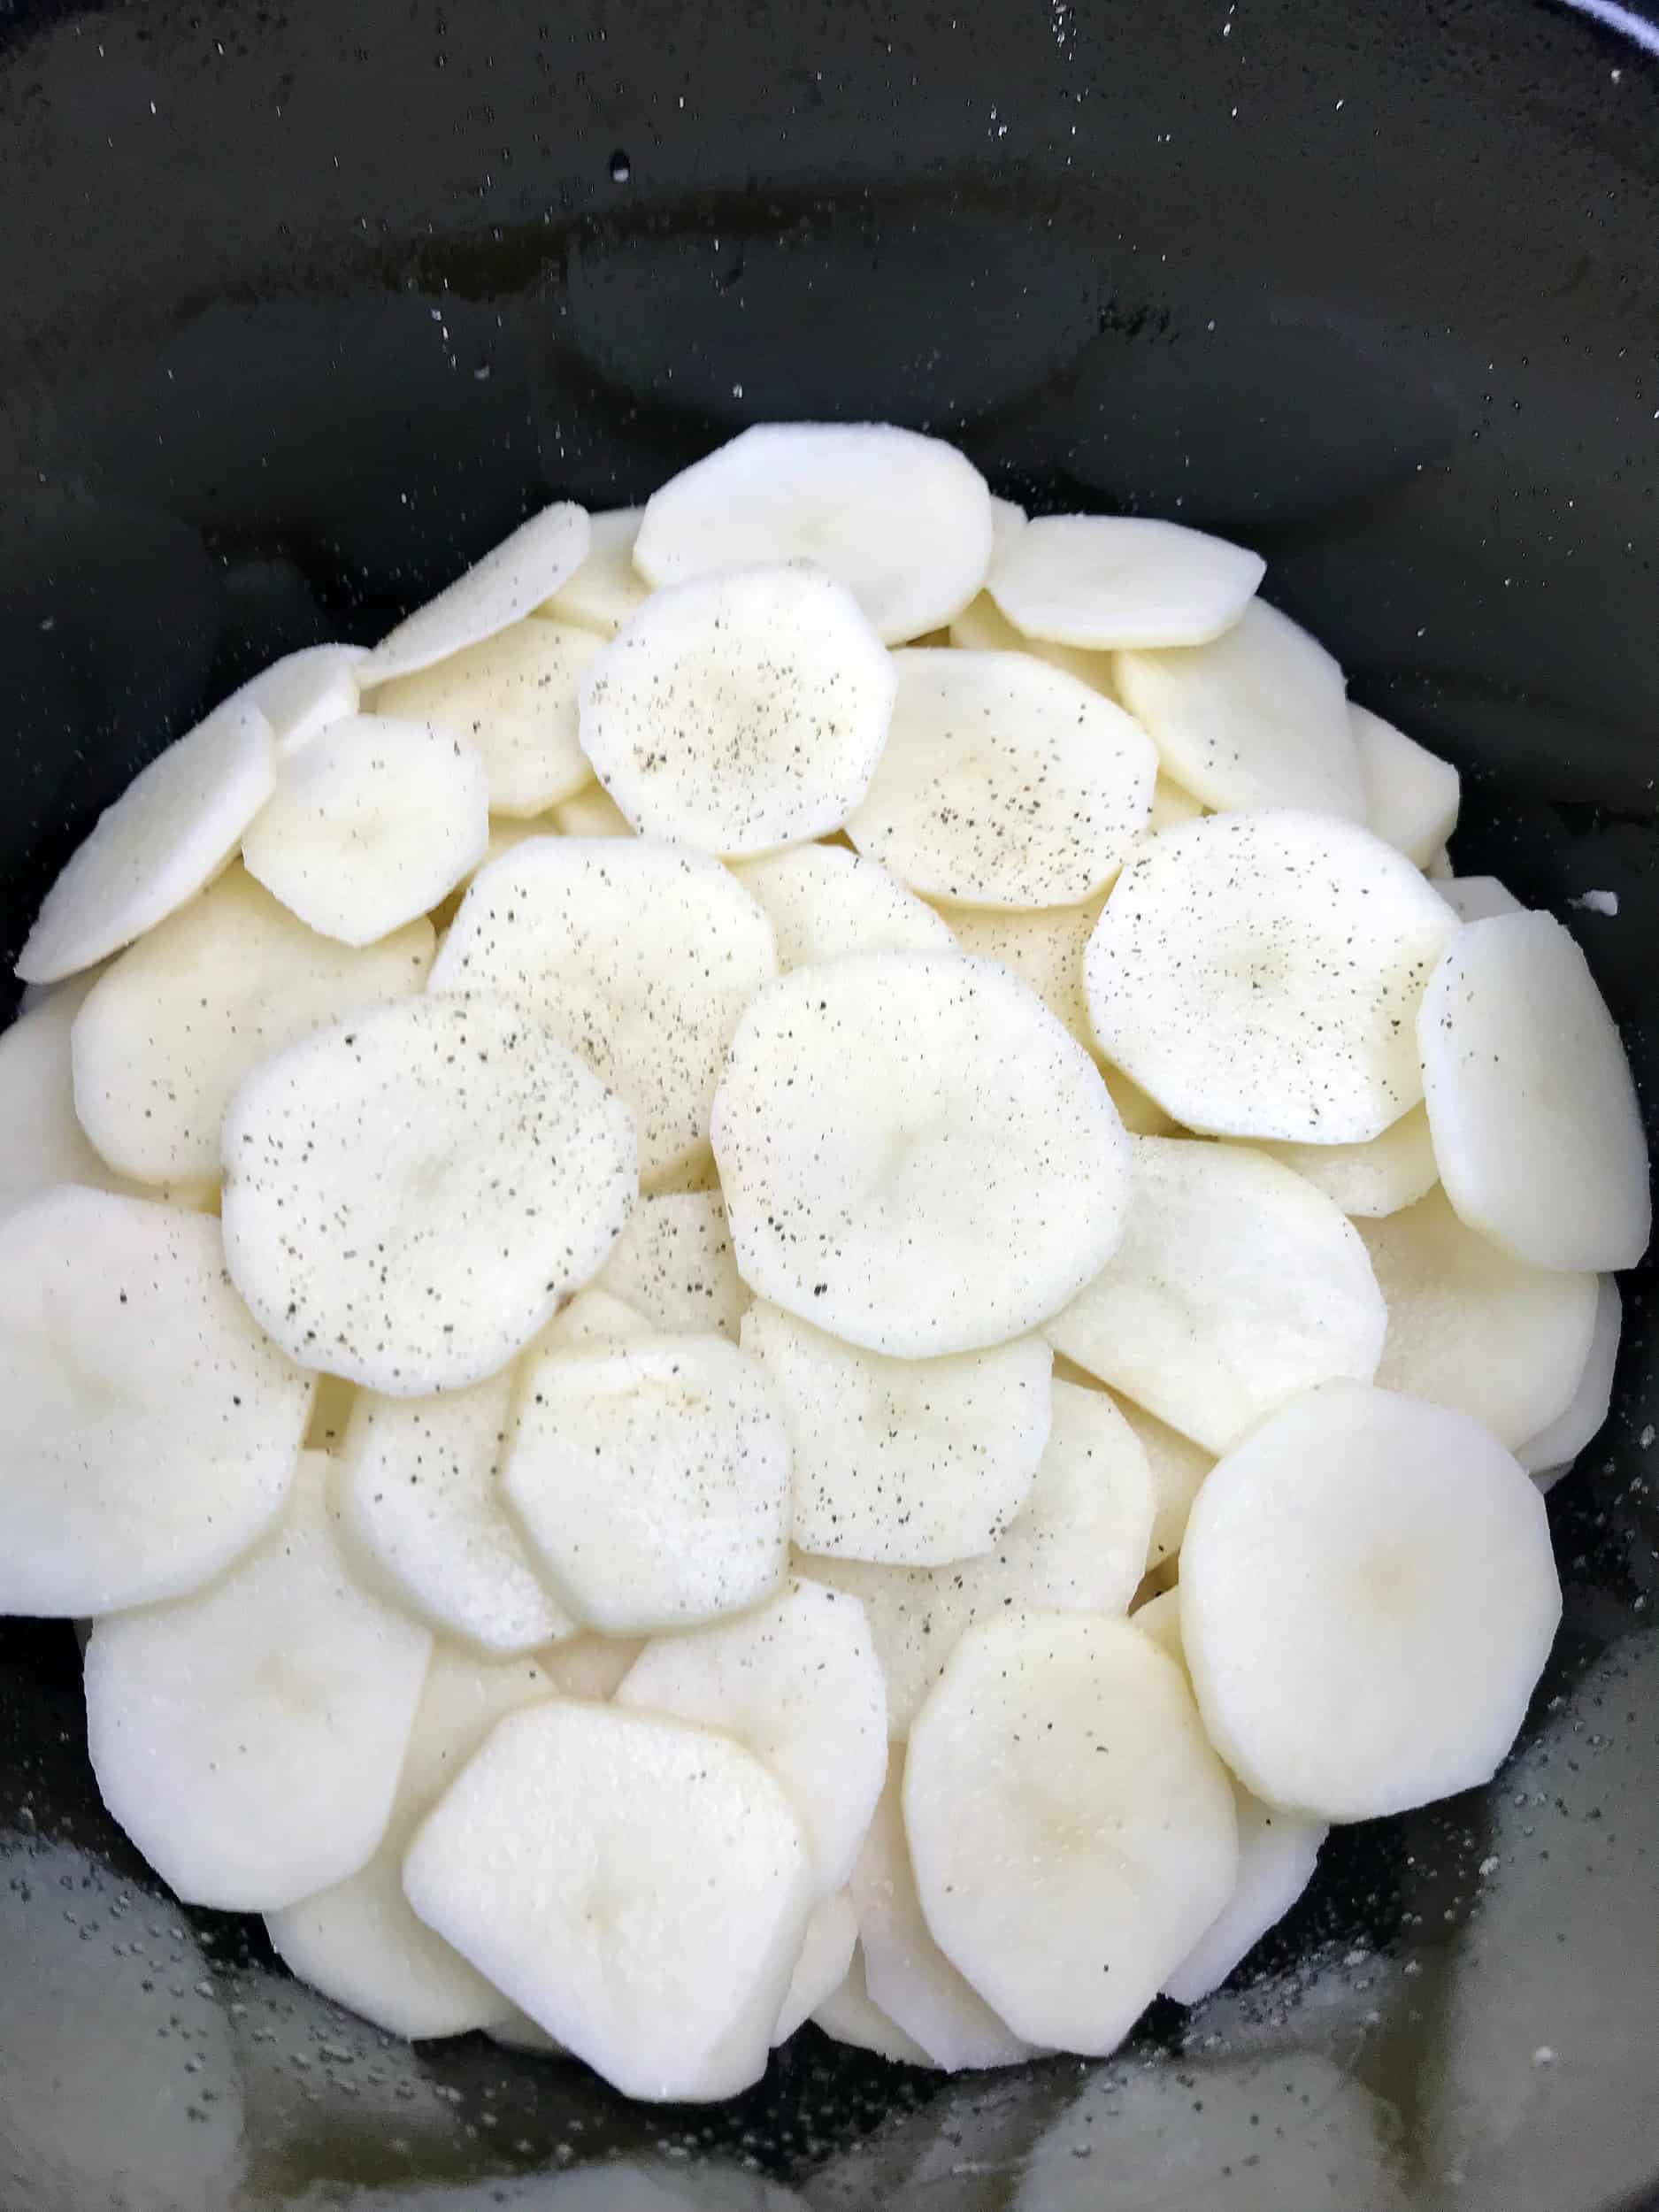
<point>621,167</point>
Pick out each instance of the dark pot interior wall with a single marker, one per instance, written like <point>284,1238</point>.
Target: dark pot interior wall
<point>304,306</point>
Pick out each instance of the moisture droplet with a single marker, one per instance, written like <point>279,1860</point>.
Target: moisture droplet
<point>621,167</point>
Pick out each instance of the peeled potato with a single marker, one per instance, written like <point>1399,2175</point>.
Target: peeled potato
<point>848,2015</point>
<point>607,588</point>
<point>982,627</point>
<point>593,812</point>
<point>512,579</point>
<point>822,901</point>
<point>1178,1467</point>
<point>1479,898</point>
<point>1108,581</point>
<point>1171,804</point>
<point>825,1961</point>
<point>1373,1178</point>
<point>1548,1454</point>
<point>1044,949</point>
<point>1411,795</point>
<point>674,1264</point>
<point>301,694</point>
<point>45,1142</point>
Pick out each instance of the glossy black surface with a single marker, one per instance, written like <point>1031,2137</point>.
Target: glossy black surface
<point>300,307</point>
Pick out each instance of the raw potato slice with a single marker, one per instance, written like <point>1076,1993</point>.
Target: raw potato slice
<point>1411,795</point>
<point>170,831</point>
<point>662,1952</point>
<point>1160,1618</point>
<point>1278,1853</point>
<point>903,520</point>
<point>740,712</point>
<point>1471,1328</point>
<point>359,1942</point>
<point>170,1030</point>
<point>1256,718</point>
<point>1258,975</point>
<point>641,955</point>
<point>1065,1885</point>
<point>1536,1125</point>
<point>825,1961</point>
<point>1236,1286</point>
<point>593,812</point>
<point>593,1317</point>
<point>45,1142</point>
<point>674,1264</point>
<point>1079,1544</point>
<point>910,1148</point>
<point>514,696</point>
<point>906,1974</point>
<point>370,824</point>
<point>1370,1180</point>
<point>1178,1467</point>
<point>797,1681</point>
<point>824,900</point>
<point>1044,949</point>
<point>848,2015</point>
<point>1367,1598</point>
<point>1479,898</point>
<point>331,1410</point>
<point>511,580</point>
<point>1108,581</point>
<point>421,1508</point>
<point>152,1431</point>
<point>300,694</point>
<point>1004,783</point>
<point>1553,1450</point>
<point>248,1737</point>
<point>1171,804</point>
<point>913,1462</point>
<point>982,627</point>
<point>652,1479</point>
<point>607,588</point>
<point>1140,1116</point>
<point>519,2033</point>
<point>593,1667</point>
<point>1008,519</point>
<point>409,1193</point>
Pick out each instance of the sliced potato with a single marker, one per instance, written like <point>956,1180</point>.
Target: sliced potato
<point>1177,1468</point>
<point>1549,1454</point>
<point>45,1143</point>
<point>1044,949</point>
<point>848,2015</point>
<point>824,900</point>
<point>1477,898</point>
<point>511,580</point>
<point>674,1264</point>
<point>607,588</point>
<point>1411,795</point>
<point>982,627</point>
<point>1370,1179</point>
<point>301,694</point>
<point>825,1961</point>
<point>593,812</point>
<point>1171,804</point>
<point>1111,581</point>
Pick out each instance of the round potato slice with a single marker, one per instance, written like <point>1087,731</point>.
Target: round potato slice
<point>1258,718</point>
<point>514,696</point>
<point>825,1961</point>
<point>1044,949</point>
<point>1411,795</point>
<point>1049,1736</point>
<point>1171,804</point>
<point>652,1479</point>
<point>1370,1180</point>
<point>1479,898</point>
<point>1258,974</point>
<point>44,1141</point>
<point>887,1120</point>
<point>909,1462</point>
<point>300,694</point>
<point>410,1193</point>
<point>1367,1598</point>
<point>824,900</point>
<point>662,1952</point>
<point>170,831</point>
<point>1178,1467</point>
<point>798,1681</point>
<point>171,1027</point>
<point>511,580</point>
<point>641,955</point>
<point>903,520</point>
<point>607,588</point>
<point>1236,1286</point>
<point>370,824</point>
<point>1548,1455</point>
<point>593,812</point>
<point>1004,783</point>
<point>1534,1117</point>
<point>1474,1329</point>
<point>674,1264</point>
<point>740,712</point>
<point>982,627</point>
<point>1106,581</point>
<point>248,1737</point>
<point>152,1431</point>
<point>848,2015</point>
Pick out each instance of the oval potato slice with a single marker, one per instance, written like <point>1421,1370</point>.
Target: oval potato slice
<point>1107,581</point>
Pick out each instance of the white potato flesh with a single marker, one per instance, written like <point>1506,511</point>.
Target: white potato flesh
<point>1479,898</point>
<point>1072,1831</point>
<point>420,1509</point>
<point>514,697</point>
<point>674,1264</point>
<point>1553,1450</point>
<point>1004,783</point>
<point>906,1974</point>
<point>1079,1544</point>
<point>607,588</point>
<point>982,627</point>
<point>1370,1179</point>
<point>593,1667</point>
<point>652,1479</point>
<point>662,1951</point>
<point>1536,1125</point>
<point>1044,948</point>
<point>511,580</point>
<point>1140,1116</point>
<point>825,1961</point>
<point>848,2015</point>
<point>1111,581</point>
<point>170,831</point>
<point>171,1027</point>
<point>1159,1618</point>
<point>641,955</point>
<point>1258,975</point>
<point>300,694</point>
<point>824,900</point>
<point>910,1461</point>
<point>1008,519</point>
<point>331,1410</point>
<point>1411,795</point>
<point>887,1120</point>
<point>370,824</point>
<point>1171,804</point>
<point>248,1737</point>
<point>152,1431</point>
<point>1278,1853</point>
<point>593,812</point>
<point>1258,718</point>
<point>1473,1328</point>
<point>593,1316</point>
<point>1236,1286</point>
<point>1178,1466</point>
<point>740,712</point>
<point>903,520</point>
<point>44,1141</point>
<point>1368,1597</point>
<point>410,1193</point>
<point>359,1942</point>
<point>798,1681</point>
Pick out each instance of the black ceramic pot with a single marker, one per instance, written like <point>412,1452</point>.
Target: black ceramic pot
<point>303,305</point>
